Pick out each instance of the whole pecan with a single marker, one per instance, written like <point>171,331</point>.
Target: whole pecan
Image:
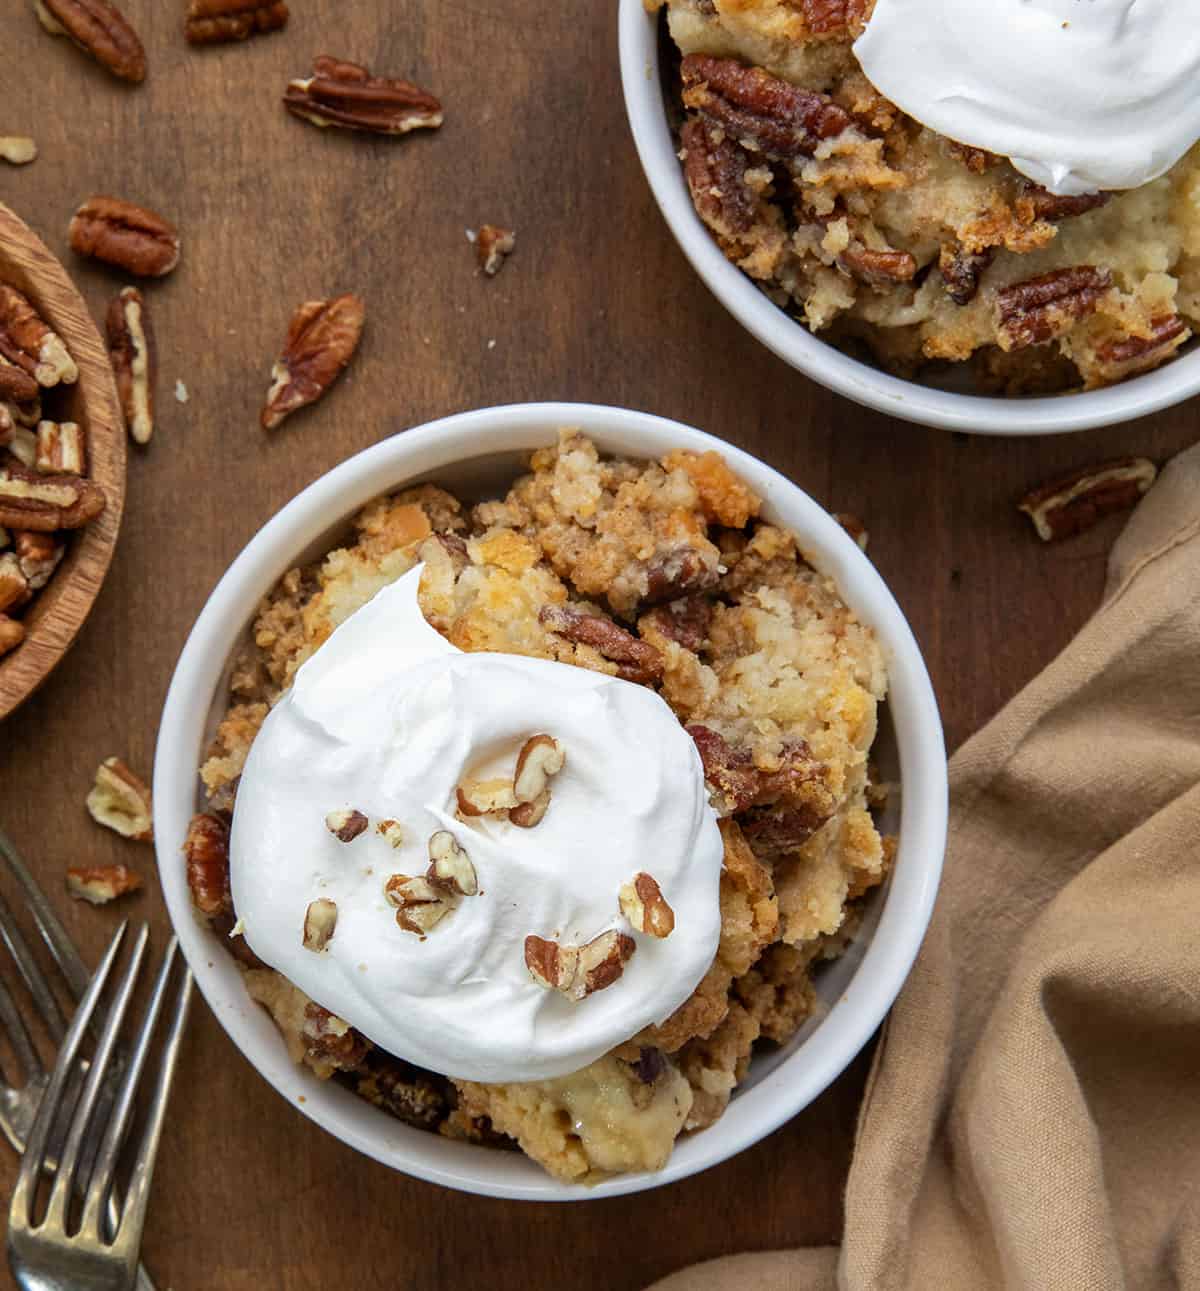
<point>1117,359</point>
<point>45,503</point>
<point>1037,203</point>
<point>212,22</point>
<point>760,111</point>
<point>28,343</point>
<point>99,29</point>
<point>347,95</point>
<point>206,856</point>
<point>1073,503</point>
<point>714,166</point>
<point>321,340</point>
<point>636,660</point>
<point>1038,310</point>
<point>131,352</point>
<point>877,268</point>
<point>120,233</point>
<point>961,271</point>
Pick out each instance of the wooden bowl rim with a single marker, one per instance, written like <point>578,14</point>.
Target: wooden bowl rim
<point>61,609</point>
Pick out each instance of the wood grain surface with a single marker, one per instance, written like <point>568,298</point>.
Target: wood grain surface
<point>596,304</point>
<point>55,617</point>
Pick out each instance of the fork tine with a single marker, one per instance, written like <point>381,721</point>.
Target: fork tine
<point>60,1194</point>
<point>53,933</point>
<point>32,1163</point>
<point>31,974</point>
<point>133,1215</point>
<point>10,1020</point>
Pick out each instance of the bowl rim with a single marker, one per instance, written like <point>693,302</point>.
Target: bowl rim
<point>795,345</point>
<point>417,454</point>
<point>63,607</point>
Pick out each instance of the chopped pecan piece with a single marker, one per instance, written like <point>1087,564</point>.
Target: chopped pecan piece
<point>650,1065</point>
<point>39,555</point>
<point>678,573</point>
<point>123,234</point>
<point>644,905</point>
<point>961,271</point>
<point>1038,310</point>
<point>99,29</point>
<point>578,971</point>
<point>449,865</point>
<point>100,884</point>
<point>976,160</point>
<point>131,352</point>
<point>758,110</point>
<point>12,633</point>
<point>45,503</point>
<point>877,268</point>
<point>120,800</point>
<point>420,903</point>
<point>212,22</point>
<point>541,757</point>
<point>206,855</point>
<point>834,17</point>
<point>60,449</point>
<point>1073,503</point>
<point>390,832</point>
<point>686,621</point>
<point>525,815</point>
<point>347,95</point>
<point>636,660</point>
<point>345,824</point>
<point>27,341</point>
<point>1038,203</point>
<point>320,923</point>
<point>17,149</point>
<point>330,1043</point>
<point>715,166</point>
<point>484,797</point>
<point>493,245</point>
<point>321,340</point>
<point>1117,359</point>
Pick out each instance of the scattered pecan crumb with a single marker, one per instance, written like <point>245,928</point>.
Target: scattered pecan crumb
<point>120,800</point>
<point>493,245</point>
<point>17,150</point>
<point>345,824</point>
<point>320,923</point>
<point>101,883</point>
<point>578,971</point>
<point>1075,502</point>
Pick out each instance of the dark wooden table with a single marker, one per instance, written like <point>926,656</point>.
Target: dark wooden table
<point>597,304</point>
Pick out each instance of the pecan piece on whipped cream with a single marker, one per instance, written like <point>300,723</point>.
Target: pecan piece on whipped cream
<point>761,112</point>
<point>420,903</point>
<point>126,235</point>
<point>131,352</point>
<point>1039,309</point>
<point>344,94</point>
<point>345,824</point>
<point>644,905</point>
<point>1072,503</point>
<point>321,340</point>
<point>28,342</point>
<point>100,30</point>
<point>636,660</point>
<point>578,971</point>
<point>449,865</point>
<point>213,22</point>
<point>320,923</point>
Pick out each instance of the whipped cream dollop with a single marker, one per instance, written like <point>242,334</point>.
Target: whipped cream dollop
<point>388,718</point>
<point>1081,95</point>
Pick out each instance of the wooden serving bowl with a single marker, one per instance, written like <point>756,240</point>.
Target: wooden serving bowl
<point>59,610</point>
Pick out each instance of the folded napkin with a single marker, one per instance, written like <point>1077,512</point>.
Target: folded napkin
<point>1032,1119</point>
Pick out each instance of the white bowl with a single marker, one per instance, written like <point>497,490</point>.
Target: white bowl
<point>795,344</point>
<point>478,454</point>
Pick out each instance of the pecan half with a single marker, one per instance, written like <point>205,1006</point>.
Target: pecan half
<point>758,110</point>
<point>877,268</point>
<point>578,971</point>
<point>644,905</point>
<point>1038,310</point>
<point>121,233</point>
<point>17,149</point>
<point>1037,203</point>
<point>12,633</point>
<point>44,503</point>
<point>484,797</point>
<point>320,923</point>
<point>321,340</point>
<point>120,800</point>
<point>1073,503</point>
<point>99,29</point>
<point>206,856</point>
<point>1118,359</point>
<point>346,824</point>
<point>100,884</point>
<point>715,166</point>
<point>347,95</point>
<point>131,352</point>
<point>212,22</point>
<point>60,449</point>
<point>27,341</point>
<point>961,271</point>
<point>636,660</point>
<point>493,245</point>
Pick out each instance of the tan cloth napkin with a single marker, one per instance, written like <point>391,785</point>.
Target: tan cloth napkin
<point>1032,1119</point>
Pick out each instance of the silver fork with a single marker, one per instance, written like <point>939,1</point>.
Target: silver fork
<point>43,1254</point>
<point>18,1105</point>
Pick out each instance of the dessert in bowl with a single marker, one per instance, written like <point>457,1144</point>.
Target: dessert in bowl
<point>557,806</point>
<point>1019,225</point>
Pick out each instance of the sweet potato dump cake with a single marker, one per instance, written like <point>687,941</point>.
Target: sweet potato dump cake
<point>662,574</point>
<point>876,231</point>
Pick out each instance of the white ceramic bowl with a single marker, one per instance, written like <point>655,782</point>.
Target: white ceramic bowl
<point>477,455</point>
<point>795,344</point>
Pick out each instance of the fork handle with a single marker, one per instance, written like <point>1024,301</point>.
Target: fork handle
<point>143,1280</point>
